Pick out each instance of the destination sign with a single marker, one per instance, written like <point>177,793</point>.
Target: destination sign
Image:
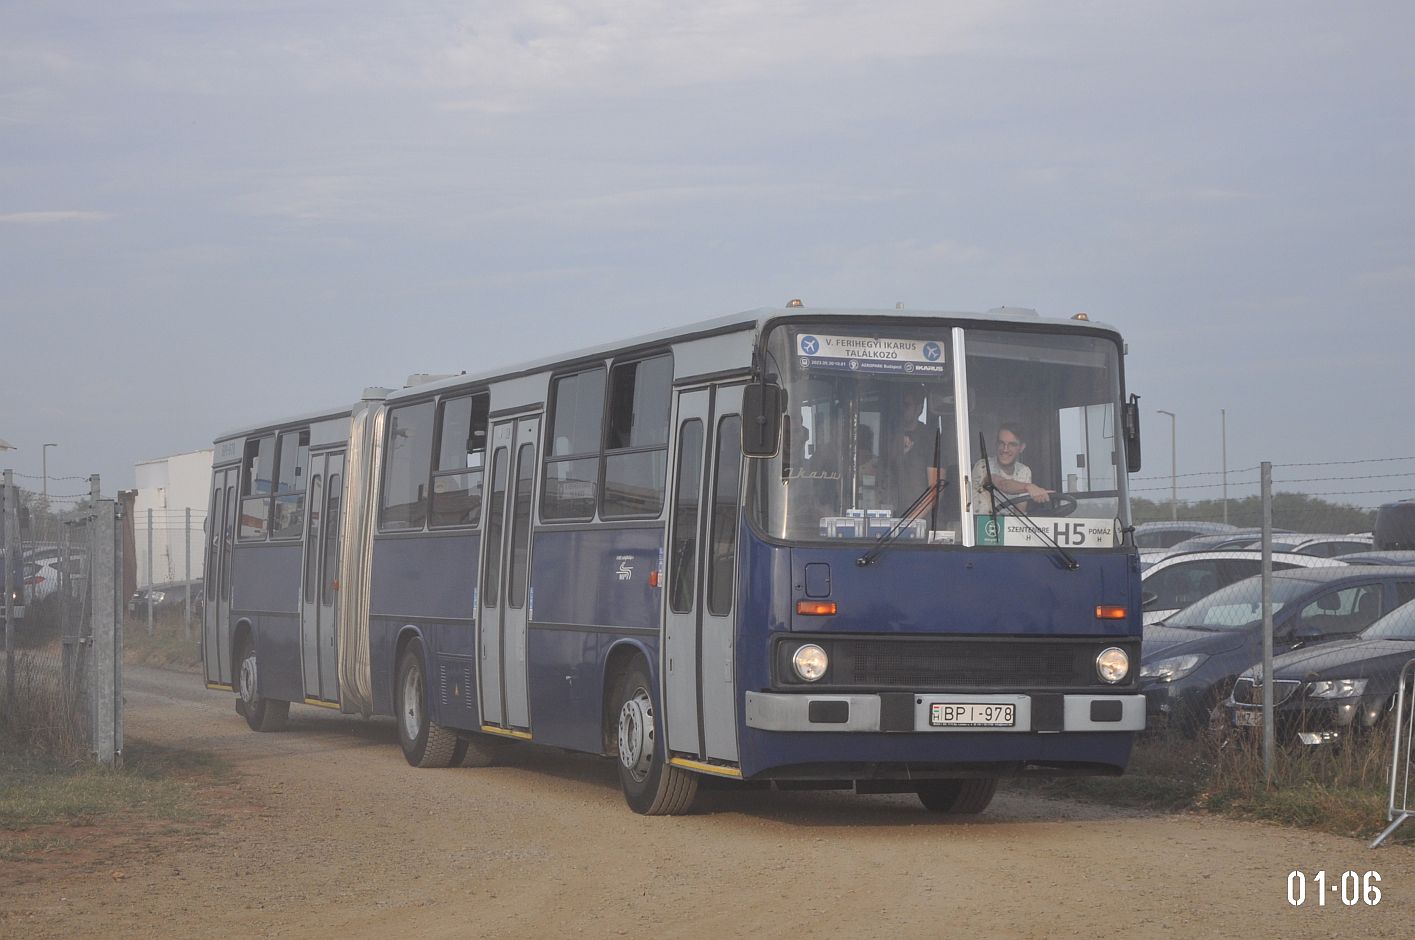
<point>870,353</point>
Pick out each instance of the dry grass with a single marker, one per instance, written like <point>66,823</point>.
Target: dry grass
<point>171,646</point>
<point>43,713</point>
<point>154,781</point>
<point>1333,789</point>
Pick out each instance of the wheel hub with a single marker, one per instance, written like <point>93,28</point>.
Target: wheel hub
<point>412,704</point>
<point>248,685</point>
<point>636,734</point>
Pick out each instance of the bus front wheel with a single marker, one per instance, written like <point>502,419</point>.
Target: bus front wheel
<point>957,796</point>
<point>425,743</point>
<point>652,786</point>
<point>262,714</point>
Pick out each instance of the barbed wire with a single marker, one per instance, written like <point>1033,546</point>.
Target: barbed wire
<point>37,476</point>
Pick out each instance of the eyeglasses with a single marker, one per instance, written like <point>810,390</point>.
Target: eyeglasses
<point>1009,444</point>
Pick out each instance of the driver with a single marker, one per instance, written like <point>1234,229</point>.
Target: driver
<point>1010,476</point>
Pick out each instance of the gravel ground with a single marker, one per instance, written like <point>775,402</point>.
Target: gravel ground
<point>331,833</point>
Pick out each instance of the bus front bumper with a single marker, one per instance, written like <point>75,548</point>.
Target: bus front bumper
<point>916,711</point>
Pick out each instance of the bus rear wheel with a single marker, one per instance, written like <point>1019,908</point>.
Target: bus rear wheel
<point>425,743</point>
<point>262,714</point>
<point>652,786</point>
<point>957,796</point>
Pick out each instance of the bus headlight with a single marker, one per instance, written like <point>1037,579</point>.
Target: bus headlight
<point>1113,664</point>
<point>810,662</point>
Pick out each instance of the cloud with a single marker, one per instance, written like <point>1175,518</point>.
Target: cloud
<point>59,215</point>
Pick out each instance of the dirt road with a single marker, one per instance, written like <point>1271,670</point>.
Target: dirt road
<point>332,834</point>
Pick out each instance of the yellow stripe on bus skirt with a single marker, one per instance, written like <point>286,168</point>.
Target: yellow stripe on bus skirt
<point>702,767</point>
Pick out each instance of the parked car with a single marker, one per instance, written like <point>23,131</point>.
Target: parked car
<point>1149,535</point>
<point>1325,546</point>
<point>1189,663</point>
<point>166,597</point>
<point>1395,526</point>
<point>1238,538</point>
<point>1176,581</point>
<point>1405,557</point>
<point>1336,690</point>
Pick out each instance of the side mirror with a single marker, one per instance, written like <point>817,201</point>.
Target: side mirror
<point>1308,633</point>
<point>1147,599</point>
<point>1131,416</point>
<point>761,419</point>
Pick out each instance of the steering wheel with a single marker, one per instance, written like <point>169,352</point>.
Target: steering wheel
<point>1058,506</point>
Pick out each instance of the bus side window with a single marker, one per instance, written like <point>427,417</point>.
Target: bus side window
<point>572,466</point>
<point>257,482</point>
<point>461,454</point>
<point>292,461</point>
<point>636,440</point>
<point>406,468</point>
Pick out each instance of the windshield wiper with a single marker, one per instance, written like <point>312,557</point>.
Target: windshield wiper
<point>913,512</point>
<point>1071,563</point>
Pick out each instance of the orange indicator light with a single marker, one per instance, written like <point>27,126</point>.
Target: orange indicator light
<point>816,608</point>
<point>1110,613</point>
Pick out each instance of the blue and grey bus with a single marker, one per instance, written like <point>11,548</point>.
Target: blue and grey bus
<point>781,548</point>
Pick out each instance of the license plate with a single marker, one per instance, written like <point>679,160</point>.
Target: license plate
<point>1248,719</point>
<point>972,715</point>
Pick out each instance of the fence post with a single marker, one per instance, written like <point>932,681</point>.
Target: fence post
<point>1269,686</point>
<point>149,572</point>
<point>187,574</point>
<point>10,527</point>
<point>106,678</point>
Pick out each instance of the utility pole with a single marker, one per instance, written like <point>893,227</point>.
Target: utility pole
<point>1173,466</point>
<point>1223,416</point>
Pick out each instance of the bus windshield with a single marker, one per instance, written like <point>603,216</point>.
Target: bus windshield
<point>872,425</point>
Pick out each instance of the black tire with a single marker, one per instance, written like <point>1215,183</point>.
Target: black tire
<point>959,797</point>
<point>262,714</point>
<point>425,743</point>
<point>652,786</point>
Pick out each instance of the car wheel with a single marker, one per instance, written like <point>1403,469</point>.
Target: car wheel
<point>425,743</point>
<point>652,786</point>
<point>959,797</point>
<point>262,714</point>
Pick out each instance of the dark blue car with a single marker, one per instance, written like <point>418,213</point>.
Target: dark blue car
<point>1189,663</point>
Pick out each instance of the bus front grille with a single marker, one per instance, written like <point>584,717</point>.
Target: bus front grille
<point>920,665</point>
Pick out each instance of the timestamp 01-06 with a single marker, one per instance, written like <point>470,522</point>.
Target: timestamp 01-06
<point>1352,887</point>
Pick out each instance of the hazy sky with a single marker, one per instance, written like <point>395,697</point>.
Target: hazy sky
<point>214,213</point>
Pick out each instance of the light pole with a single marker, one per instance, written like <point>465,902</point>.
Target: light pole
<point>44,462</point>
<point>1223,416</point>
<point>1173,464</point>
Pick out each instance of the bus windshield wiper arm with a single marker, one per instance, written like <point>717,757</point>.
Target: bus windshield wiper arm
<point>915,509</point>
<point>1071,563</point>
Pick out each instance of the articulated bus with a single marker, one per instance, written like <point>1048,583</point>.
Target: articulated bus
<point>887,551</point>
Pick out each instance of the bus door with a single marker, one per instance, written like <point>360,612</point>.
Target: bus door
<point>699,604</point>
<point>319,583</point>
<point>216,613</point>
<point>502,597</point>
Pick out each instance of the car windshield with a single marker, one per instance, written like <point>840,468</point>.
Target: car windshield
<point>872,422</point>
<point>1399,624</point>
<point>1239,605</point>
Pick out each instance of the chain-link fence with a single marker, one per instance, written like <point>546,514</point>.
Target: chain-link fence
<point>1280,614</point>
<point>59,691</point>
